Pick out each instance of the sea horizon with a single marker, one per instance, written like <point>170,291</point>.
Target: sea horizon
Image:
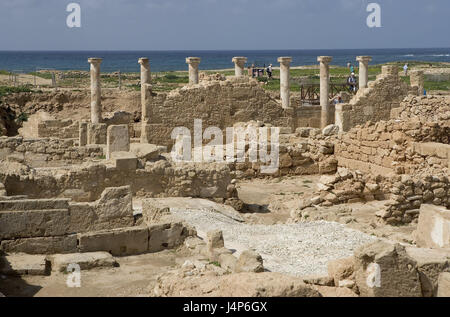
<point>174,60</point>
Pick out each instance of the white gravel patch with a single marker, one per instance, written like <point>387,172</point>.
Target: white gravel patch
<point>297,249</point>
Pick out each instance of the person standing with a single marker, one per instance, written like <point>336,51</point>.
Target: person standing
<point>405,69</point>
<point>269,71</point>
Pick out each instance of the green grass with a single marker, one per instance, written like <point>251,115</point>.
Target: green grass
<point>173,79</point>
<point>5,90</point>
<point>41,75</point>
<point>4,72</point>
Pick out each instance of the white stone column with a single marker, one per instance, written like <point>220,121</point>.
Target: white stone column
<point>96,93</point>
<point>363,70</point>
<point>193,69</point>
<point>324,89</point>
<point>146,108</point>
<point>145,70</point>
<point>285,80</point>
<point>239,65</point>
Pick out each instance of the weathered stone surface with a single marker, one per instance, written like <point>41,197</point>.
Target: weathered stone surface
<point>214,239</point>
<point>147,152</point>
<point>118,242</point>
<point>250,261</point>
<point>430,263</point>
<point>153,209</point>
<point>86,261</point>
<point>124,160</point>
<point>96,133</point>
<point>118,139</point>
<point>34,223</point>
<point>433,229</point>
<point>385,270</point>
<point>41,245</point>
<point>341,269</point>
<point>166,236</point>
<point>265,284</point>
<point>228,262</point>
<point>24,264</point>
<point>444,285</point>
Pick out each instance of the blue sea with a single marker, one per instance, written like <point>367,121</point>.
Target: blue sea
<point>126,61</point>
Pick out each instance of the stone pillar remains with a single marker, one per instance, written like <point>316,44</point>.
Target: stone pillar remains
<point>239,65</point>
<point>285,85</point>
<point>417,80</point>
<point>193,69</point>
<point>363,70</point>
<point>146,102</point>
<point>96,94</point>
<point>83,134</point>
<point>389,70</point>
<point>324,89</point>
<point>117,140</point>
<point>145,70</point>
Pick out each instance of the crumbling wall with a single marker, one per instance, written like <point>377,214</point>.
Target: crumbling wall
<point>218,103</point>
<point>375,102</point>
<point>85,183</point>
<point>46,152</point>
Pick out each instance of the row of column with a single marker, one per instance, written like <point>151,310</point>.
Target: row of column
<point>325,61</point>
<point>193,62</point>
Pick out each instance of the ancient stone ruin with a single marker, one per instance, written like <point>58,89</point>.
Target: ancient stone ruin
<point>366,183</point>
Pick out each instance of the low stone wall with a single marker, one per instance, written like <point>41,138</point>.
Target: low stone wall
<point>86,182</point>
<point>45,151</point>
<point>430,108</point>
<point>50,225</point>
<point>394,147</point>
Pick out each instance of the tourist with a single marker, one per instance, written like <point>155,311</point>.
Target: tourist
<point>337,100</point>
<point>351,81</point>
<point>405,69</point>
<point>352,69</point>
<point>269,71</point>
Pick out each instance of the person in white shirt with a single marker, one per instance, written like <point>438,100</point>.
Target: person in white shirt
<point>405,68</point>
<point>269,71</point>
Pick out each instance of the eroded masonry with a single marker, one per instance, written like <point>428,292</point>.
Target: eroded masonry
<point>91,190</point>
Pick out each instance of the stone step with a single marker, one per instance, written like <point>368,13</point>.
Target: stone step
<point>86,261</point>
<point>34,204</point>
<point>24,264</point>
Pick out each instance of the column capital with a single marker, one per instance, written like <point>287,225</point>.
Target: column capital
<point>143,60</point>
<point>285,60</point>
<point>95,60</point>
<point>239,59</point>
<point>324,59</point>
<point>193,60</point>
<point>364,59</point>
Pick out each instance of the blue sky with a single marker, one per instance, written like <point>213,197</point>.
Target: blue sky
<point>222,24</point>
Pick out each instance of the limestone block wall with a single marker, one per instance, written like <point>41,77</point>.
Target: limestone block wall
<point>45,151</point>
<point>394,147</point>
<point>51,225</point>
<point>86,183</point>
<point>375,102</point>
<point>217,103</point>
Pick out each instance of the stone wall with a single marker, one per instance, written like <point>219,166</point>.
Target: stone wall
<point>375,102</point>
<point>85,183</point>
<point>394,147</point>
<point>45,151</point>
<point>217,103</point>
